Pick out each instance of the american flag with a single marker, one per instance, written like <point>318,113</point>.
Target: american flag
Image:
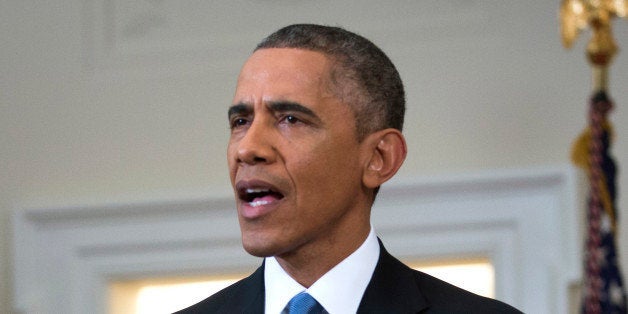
<point>604,291</point>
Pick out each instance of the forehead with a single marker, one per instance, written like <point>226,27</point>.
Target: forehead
<point>291,58</point>
<point>284,72</point>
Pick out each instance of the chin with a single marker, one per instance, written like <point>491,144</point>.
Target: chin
<point>258,253</point>
<point>257,246</point>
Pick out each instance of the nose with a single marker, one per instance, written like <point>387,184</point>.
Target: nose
<point>256,146</point>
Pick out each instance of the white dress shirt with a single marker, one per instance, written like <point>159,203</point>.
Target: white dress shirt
<point>339,290</point>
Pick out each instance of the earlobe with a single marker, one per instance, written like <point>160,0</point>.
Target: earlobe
<point>387,152</point>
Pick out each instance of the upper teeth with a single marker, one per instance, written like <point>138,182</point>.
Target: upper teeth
<point>256,190</point>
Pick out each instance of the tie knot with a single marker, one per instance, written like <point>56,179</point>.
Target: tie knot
<point>303,303</point>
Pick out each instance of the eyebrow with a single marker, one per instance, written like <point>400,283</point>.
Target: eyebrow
<point>274,106</point>
<point>239,109</point>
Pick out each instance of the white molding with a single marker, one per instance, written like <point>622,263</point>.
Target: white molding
<point>525,221</point>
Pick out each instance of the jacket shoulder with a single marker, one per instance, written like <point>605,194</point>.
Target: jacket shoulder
<point>444,297</point>
<point>244,296</point>
<point>396,288</point>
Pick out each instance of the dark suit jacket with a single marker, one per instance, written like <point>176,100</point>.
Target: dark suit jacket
<point>394,288</point>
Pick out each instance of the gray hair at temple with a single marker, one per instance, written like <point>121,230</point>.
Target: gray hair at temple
<point>362,75</point>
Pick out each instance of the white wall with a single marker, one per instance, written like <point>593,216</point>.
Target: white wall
<point>107,101</point>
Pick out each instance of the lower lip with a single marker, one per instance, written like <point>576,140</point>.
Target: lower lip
<point>258,207</point>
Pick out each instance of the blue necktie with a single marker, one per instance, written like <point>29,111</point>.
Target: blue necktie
<point>303,303</point>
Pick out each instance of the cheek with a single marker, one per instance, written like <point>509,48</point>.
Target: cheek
<point>327,169</point>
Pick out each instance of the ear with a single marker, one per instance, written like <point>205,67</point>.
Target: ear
<point>386,151</point>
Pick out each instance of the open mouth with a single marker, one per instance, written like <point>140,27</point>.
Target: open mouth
<point>258,196</point>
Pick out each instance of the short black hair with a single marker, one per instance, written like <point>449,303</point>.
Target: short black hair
<point>363,76</point>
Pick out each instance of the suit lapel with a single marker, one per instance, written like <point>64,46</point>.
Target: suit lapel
<point>255,294</point>
<point>249,298</point>
<point>392,288</point>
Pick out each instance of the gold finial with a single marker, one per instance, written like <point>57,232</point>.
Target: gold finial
<point>577,15</point>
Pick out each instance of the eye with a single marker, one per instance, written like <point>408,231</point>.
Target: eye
<point>238,122</point>
<point>291,119</point>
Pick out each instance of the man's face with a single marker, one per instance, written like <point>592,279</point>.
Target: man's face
<point>294,159</point>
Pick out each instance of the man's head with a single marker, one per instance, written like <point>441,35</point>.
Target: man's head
<point>303,173</point>
<point>362,75</point>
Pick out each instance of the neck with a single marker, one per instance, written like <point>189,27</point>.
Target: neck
<point>311,262</point>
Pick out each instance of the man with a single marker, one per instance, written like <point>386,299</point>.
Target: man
<point>315,131</point>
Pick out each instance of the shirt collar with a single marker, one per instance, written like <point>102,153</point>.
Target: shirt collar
<point>339,290</point>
